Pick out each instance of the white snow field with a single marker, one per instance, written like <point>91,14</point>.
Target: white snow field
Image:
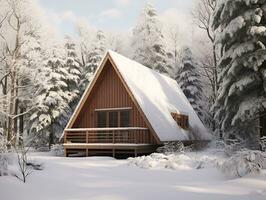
<point>105,178</point>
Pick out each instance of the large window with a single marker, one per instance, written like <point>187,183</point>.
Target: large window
<point>114,118</point>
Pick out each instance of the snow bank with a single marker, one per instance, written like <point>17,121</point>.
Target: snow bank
<point>176,161</point>
<point>3,156</point>
<point>263,143</point>
<point>98,178</point>
<point>3,165</point>
<point>243,163</point>
<point>57,150</point>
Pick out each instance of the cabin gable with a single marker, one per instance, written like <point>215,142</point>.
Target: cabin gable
<point>108,92</point>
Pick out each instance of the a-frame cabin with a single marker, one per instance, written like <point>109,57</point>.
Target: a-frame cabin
<point>129,109</point>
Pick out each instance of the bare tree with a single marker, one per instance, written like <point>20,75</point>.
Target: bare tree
<point>15,30</point>
<point>25,166</point>
<point>202,14</point>
<point>175,43</point>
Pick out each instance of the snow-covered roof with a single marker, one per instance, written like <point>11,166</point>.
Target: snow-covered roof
<point>158,96</point>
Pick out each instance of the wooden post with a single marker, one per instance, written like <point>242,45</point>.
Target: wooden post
<point>87,152</point>
<point>65,152</point>
<point>113,136</point>
<point>135,137</point>
<point>135,152</point>
<point>65,137</point>
<point>87,137</point>
<point>113,152</point>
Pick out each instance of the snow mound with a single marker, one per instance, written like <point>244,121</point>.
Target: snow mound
<point>176,161</point>
<point>243,163</point>
<point>57,150</point>
<point>263,143</point>
<point>3,165</point>
<point>3,156</point>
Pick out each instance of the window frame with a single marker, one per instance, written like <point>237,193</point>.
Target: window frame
<point>182,120</point>
<point>107,116</point>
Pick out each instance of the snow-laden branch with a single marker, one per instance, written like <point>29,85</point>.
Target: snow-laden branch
<point>18,115</point>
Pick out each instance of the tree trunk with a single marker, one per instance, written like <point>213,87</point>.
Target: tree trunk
<point>10,127</point>
<point>21,126</point>
<point>51,136</point>
<point>16,104</point>
<point>4,90</point>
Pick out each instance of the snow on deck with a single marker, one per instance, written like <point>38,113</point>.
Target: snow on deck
<point>158,96</point>
<point>104,178</point>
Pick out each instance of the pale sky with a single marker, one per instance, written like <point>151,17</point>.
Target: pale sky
<point>111,15</point>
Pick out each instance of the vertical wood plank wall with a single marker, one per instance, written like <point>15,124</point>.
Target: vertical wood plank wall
<point>109,92</point>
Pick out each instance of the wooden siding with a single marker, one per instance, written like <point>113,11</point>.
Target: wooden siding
<point>109,92</point>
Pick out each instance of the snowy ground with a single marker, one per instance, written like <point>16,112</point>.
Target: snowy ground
<point>105,178</point>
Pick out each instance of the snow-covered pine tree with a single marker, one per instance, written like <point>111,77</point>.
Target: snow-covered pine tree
<point>74,71</point>
<point>148,44</point>
<point>93,58</point>
<point>29,82</point>
<point>188,79</point>
<point>240,30</point>
<point>53,99</point>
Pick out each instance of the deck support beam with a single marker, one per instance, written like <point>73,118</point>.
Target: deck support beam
<point>113,153</point>
<point>87,152</point>
<point>65,151</point>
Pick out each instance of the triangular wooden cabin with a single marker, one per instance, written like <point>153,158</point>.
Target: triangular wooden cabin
<point>130,109</point>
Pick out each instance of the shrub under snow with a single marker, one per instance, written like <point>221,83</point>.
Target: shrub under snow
<point>57,149</point>
<point>263,143</point>
<point>3,157</point>
<point>243,163</point>
<point>3,165</point>
<point>174,161</point>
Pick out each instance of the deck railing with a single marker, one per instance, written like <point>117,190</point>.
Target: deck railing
<point>107,135</point>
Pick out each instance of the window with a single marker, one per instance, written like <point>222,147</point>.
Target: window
<point>113,119</point>
<point>181,120</point>
<point>101,119</point>
<point>124,118</point>
<point>120,118</point>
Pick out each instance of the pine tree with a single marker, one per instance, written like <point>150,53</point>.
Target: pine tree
<point>188,79</point>
<point>241,33</point>
<point>74,71</point>
<point>148,43</point>
<point>93,58</point>
<point>30,65</point>
<point>53,99</point>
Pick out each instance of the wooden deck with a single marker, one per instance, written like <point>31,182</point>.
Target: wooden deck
<point>107,141</point>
